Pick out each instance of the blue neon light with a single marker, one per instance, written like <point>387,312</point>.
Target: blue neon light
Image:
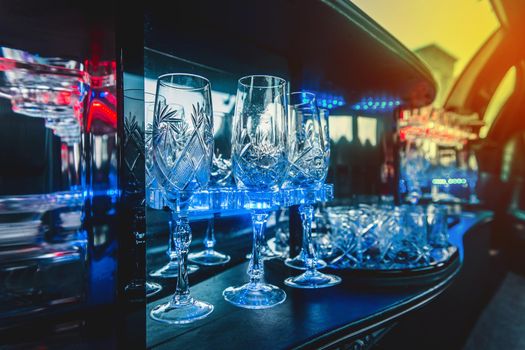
<point>325,100</point>
<point>376,104</point>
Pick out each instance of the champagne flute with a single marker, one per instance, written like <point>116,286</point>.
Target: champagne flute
<point>259,153</point>
<point>171,268</point>
<point>309,159</point>
<point>305,106</point>
<point>182,157</point>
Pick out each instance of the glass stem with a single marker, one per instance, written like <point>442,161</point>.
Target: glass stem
<point>182,240</point>
<point>306,211</point>
<point>209,238</point>
<point>74,166</point>
<point>256,268</point>
<point>172,254</point>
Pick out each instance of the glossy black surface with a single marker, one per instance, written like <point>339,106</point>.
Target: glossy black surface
<point>308,318</point>
<point>306,315</point>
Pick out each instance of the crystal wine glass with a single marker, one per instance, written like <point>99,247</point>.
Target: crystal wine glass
<point>221,176</point>
<point>305,103</point>
<point>309,159</point>
<point>259,154</point>
<point>182,157</point>
<point>171,268</point>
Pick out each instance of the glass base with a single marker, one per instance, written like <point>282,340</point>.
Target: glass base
<point>437,255</point>
<point>313,279</point>
<point>135,290</point>
<point>300,264</point>
<point>171,270</point>
<point>208,258</point>
<point>255,296</point>
<point>152,288</point>
<point>181,313</point>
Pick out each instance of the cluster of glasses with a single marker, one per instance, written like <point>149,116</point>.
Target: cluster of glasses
<point>384,237</point>
<point>442,175</point>
<point>220,178</point>
<point>49,88</point>
<point>434,158</point>
<point>275,144</point>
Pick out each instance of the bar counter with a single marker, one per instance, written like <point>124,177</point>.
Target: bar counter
<point>352,313</point>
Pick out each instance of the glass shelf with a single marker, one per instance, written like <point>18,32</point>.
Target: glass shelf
<point>226,199</point>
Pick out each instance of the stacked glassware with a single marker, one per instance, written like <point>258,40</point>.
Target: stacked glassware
<point>386,237</point>
<point>436,161</point>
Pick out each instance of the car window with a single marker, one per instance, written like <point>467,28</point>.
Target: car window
<point>506,162</point>
<point>503,92</point>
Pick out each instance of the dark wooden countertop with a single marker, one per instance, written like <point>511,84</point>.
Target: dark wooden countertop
<point>323,318</point>
<point>308,318</point>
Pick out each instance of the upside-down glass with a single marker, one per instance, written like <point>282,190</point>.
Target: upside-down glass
<point>182,158</point>
<point>171,268</point>
<point>309,159</point>
<point>259,153</point>
<point>221,176</point>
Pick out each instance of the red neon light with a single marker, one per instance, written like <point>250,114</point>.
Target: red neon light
<point>99,110</point>
<point>6,64</point>
<point>112,99</point>
<point>64,98</point>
